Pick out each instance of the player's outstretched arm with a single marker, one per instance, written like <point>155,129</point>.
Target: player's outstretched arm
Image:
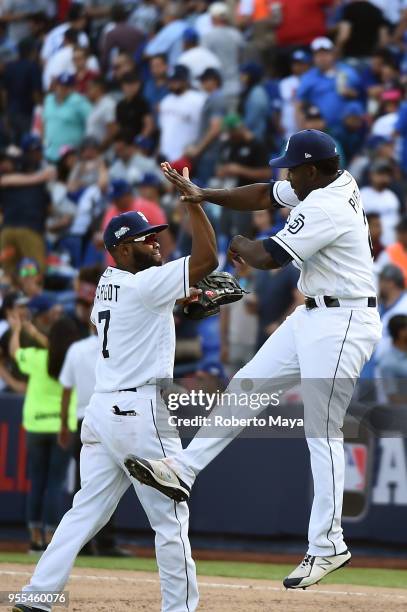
<point>204,254</point>
<point>252,252</point>
<point>249,197</point>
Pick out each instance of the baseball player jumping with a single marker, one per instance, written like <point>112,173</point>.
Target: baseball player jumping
<point>324,342</point>
<point>133,313</point>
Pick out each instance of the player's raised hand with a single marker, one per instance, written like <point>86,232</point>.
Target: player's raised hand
<point>189,191</point>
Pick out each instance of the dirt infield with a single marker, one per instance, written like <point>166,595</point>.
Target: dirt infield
<point>124,591</point>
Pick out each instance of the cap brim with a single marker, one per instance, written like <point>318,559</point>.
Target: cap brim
<point>283,162</point>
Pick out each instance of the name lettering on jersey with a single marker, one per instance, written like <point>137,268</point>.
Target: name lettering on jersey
<point>297,224</point>
<point>107,292</point>
<point>354,200</point>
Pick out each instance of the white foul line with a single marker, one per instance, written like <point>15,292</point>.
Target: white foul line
<point>217,585</point>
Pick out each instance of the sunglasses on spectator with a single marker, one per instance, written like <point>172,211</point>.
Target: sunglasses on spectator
<point>148,239</point>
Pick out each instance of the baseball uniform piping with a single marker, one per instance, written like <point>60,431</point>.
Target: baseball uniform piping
<point>175,505</point>
<point>327,433</point>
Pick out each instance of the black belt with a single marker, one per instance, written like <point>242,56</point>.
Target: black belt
<point>331,302</point>
<point>133,389</point>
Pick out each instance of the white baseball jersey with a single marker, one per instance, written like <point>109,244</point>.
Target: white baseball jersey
<point>327,236</point>
<point>78,371</point>
<point>135,323</point>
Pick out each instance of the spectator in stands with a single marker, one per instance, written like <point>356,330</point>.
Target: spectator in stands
<point>180,115</point>
<point>22,90</point>
<point>168,40</point>
<point>378,197</point>
<point>375,229</point>
<point>133,113</point>
<point>29,277</point>
<point>254,106</point>
<point>123,200</point>
<point>385,123</point>
<point>393,362</point>
<point>276,297</point>
<point>242,160</point>
<point>65,116</point>
<point>61,61</point>
<point>227,43</point>
<point>392,301</point>
<point>32,158</point>
<point>361,29</point>
<point>205,152</point>
<point>299,22</point>
<point>119,37</point>
<point>85,286</point>
<point>239,323</point>
<point>14,304</point>
<point>90,169</point>
<point>145,16</point>
<point>155,85</point>
<point>45,311</point>
<point>47,461</point>
<point>8,49</point>
<point>122,64</point>
<point>300,63</point>
<point>401,130</point>
<point>125,165</point>
<point>63,209</point>
<point>100,123</point>
<point>85,68</point>
<point>16,13</point>
<point>24,202</point>
<point>196,57</point>
<point>351,133</point>
<point>54,39</point>
<point>329,84</point>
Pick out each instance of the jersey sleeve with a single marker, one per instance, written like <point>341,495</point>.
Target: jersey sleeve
<point>282,194</point>
<point>306,233</point>
<point>161,286</point>
<point>67,375</point>
<point>26,359</point>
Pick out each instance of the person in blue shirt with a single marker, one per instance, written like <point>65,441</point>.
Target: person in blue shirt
<point>351,133</point>
<point>254,105</point>
<point>401,130</point>
<point>65,114</point>
<point>329,84</point>
<point>168,40</point>
<point>156,83</point>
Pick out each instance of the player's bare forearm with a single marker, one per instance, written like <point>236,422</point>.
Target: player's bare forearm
<point>248,197</point>
<point>252,252</point>
<point>204,254</point>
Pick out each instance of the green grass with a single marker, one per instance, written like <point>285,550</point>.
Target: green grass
<point>230,569</point>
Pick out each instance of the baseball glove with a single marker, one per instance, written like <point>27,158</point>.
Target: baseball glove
<point>218,288</point>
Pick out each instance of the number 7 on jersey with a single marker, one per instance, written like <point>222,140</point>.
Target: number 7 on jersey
<point>104,315</point>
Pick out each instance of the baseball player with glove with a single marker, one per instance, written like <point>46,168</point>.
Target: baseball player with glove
<point>133,313</point>
<point>325,342</point>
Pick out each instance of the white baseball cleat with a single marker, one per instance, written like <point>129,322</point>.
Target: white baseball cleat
<point>159,475</point>
<point>312,569</point>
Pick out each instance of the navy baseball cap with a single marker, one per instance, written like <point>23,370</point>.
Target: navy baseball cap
<point>66,79</point>
<point>149,180</point>
<point>304,147</point>
<point>301,56</point>
<point>179,73</point>
<point>128,225</point>
<point>118,188</point>
<point>190,35</point>
<point>41,303</point>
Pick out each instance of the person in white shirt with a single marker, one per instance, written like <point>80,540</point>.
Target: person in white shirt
<point>385,125</point>
<point>54,39</point>
<point>196,58</point>
<point>179,115</point>
<point>323,344</point>
<point>133,313</point>
<point>379,198</point>
<point>100,123</point>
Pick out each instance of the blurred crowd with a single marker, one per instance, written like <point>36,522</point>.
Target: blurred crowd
<point>94,95</point>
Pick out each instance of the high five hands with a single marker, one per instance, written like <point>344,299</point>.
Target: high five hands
<point>189,191</point>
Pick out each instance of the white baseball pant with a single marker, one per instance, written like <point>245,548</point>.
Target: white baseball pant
<point>107,438</point>
<point>326,349</point>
